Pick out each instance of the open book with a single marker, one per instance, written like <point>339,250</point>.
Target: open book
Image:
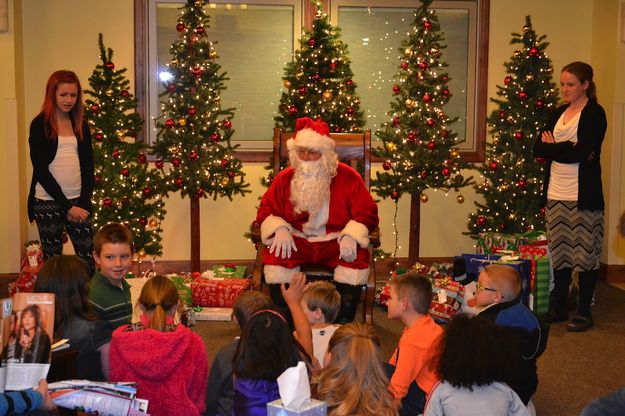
<point>26,326</point>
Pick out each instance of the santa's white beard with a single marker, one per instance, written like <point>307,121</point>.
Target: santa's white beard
<point>310,187</point>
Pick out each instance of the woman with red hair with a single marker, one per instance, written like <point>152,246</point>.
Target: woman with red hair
<point>63,173</point>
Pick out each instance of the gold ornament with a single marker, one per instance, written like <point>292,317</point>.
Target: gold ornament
<point>424,198</point>
<point>182,122</point>
<point>409,103</point>
<point>460,199</point>
<point>454,153</point>
<point>299,75</point>
<point>224,182</point>
<point>213,54</point>
<point>153,223</point>
<point>174,62</point>
<point>109,93</point>
<point>407,52</point>
<point>391,146</point>
<point>287,84</point>
<point>120,134</point>
<point>198,3</point>
<point>516,54</point>
<point>327,95</point>
<point>356,101</point>
<point>529,77</point>
<point>141,253</point>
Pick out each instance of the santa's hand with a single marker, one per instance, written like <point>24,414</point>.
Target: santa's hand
<point>348,248</point>
<point>283,243</point>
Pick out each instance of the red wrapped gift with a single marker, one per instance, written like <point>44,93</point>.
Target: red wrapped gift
<point>29,268</point>
<point>217,292</point>
<point>447,296</point>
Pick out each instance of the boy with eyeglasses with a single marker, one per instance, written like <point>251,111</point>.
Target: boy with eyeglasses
<point>497,293</point>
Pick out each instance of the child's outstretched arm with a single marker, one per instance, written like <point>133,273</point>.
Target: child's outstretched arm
<point>293,296</point>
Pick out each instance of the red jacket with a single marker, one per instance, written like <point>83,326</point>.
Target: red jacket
<point>170,368</point>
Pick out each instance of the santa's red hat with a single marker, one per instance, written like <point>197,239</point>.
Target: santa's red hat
<point>311,134</point>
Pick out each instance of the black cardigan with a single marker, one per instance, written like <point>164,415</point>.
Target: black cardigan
<point>43,152</point>
<point>590,134</point>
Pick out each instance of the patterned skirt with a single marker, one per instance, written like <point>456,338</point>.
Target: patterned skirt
<point>575,236</point>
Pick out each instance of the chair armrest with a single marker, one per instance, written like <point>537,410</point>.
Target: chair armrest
<point>374,237</point>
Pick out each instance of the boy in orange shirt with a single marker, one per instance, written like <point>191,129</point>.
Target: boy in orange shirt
<point>414,360</point>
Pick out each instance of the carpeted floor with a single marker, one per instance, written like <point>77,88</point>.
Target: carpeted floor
<point>574,369</point>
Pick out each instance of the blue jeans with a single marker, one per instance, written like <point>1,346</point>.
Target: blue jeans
<point>413,402</point>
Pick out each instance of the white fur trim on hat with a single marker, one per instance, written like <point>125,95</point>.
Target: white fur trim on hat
<point>278,274</point>
<point>351,276</point>
<point>269,227</point>
<point>357,231</point>
<point>310,139</point>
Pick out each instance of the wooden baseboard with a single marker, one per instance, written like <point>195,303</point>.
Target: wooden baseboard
<point>612,273</point>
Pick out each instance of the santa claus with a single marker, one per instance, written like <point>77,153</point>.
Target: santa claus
<point>317,211</point>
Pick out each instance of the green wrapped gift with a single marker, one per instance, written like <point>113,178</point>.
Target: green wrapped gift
<point>229,270</point>
<point>183,284</point>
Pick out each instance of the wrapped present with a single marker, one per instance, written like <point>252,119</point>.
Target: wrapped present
<point>217,292</point>
<point>447,296</point>
<point>541,275</point>
<point>476,262</point>
<point>183,284</point>
<point>493,243</point>
<point>229,270</point>
<point>29,268</point>
<point>311,408</point>
<point>382,293</point>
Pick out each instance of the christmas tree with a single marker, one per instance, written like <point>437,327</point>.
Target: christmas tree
<point>194,131</point>
<point>511,178</point>
<point>418,145</point>
<point>319,81</point>
<point>127,190</point>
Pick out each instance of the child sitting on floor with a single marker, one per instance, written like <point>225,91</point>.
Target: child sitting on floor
<point>321,303</point>
<point>413,363</point>
<point>167,361</point>
<point>353,380</point>
<point>268,347</point>
<point>219,392</point>
<point>476,361</point>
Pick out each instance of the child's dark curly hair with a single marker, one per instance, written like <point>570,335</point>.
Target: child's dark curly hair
<point>476,352</point>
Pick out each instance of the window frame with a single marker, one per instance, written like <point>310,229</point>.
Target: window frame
<point>262,149</point>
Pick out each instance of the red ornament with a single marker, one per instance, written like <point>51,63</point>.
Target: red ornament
<point>124,93</point>
<point>502,226</point>
<point>444,133</point>
<point>404,65</point>
<point>521,183</point>
<point>445,78</point>
<point>116,153</point>
<point>95,108</point>
<point>540,160</point>
<point>292,110</point>
<point>349,82</point>
<point>178,182</point>
<point>423,175</point>
<point>227,124</point>
<point>431,145</point>
<point>427,98</point>
<point>200,30</point>
<point>99,137</point>
<point>493,166</point>
<point>180,27</point>
<point>175,162</point>
<point>446,92</point>
<point>481,220</point>
<point>534,52</point>
<point>427,25</point>
<point>539,104</point>
<point>502,114</point>
<point>316,77</point>
<point>312,42</point>
<point>430,122</point>
<point>350,110</point>
<point>171,87</point>
<point>199,192</point>
<point>507,80</point>
<point>142,158</point>
<point>215,137</point>
<point>542,211</point>
<point>445,171</point>
<point>231,174</point>
<point>387,165</point>
<point>107,202</point>
<point>147,192</point>
<point>192,111</point>
<point>224,163</point>
<point>518,135</point>
<point>193,155</point>
<point>109,65</point>
<point>143,221</point>
<point>302,90</point>
<point>423,65</point>
<point>396,121</point>
<point>522,95</point>
<point>160,164</point>
<point>396,89</point>
<point>124,172</point>
<point>97,179</point>
<point>411,136</point>
<point>337,129</point>
<point>197,71</point>
<point>170,123</point>
<point>333,65</point>
<point>193,38</point>
<point>395,195</point>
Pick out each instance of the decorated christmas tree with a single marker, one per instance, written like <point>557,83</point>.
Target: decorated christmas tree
<point>418,143</point>
<point>512,179</point>
<point>127,189</point>
<point>194,130</point>
<point>318,81</point>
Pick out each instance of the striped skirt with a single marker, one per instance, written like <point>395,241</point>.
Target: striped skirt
<point>575,236</point>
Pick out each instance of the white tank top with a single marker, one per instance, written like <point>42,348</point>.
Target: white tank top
<point>65,168</point>
<point>563,182</point>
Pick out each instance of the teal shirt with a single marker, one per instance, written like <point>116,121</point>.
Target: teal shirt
<point>110,302</point>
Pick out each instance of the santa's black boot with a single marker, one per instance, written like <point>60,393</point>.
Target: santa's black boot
<point>350,296</point>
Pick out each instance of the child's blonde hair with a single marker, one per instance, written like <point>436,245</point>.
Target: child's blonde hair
<point>159,294</point>
<point>505,279</point>
<point>323,295</point>
<point>354,381</point>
